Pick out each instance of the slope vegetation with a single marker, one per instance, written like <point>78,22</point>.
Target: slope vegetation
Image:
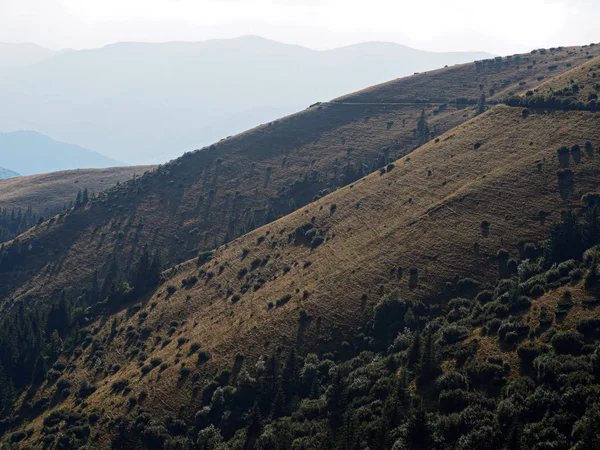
<point>310,279</point>
<point>48,194</point>
<point>211,196</point>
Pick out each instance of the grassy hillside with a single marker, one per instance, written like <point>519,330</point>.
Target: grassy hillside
<point>24,200</point>
<point>211,196</point>
<point>49,193</point>
<point>138,362</point>
<point>580,84</point>
<point>311,278</point>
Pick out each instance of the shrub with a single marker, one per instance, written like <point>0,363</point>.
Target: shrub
<point>171,289</point>
<point>450,381</point>
<point>119,385</point>
<point>283,300</point>
<point>589,326</point>
<point>467,286</point>
<point>235,298</point>
<point>189,281</point>
<point>459,302</point>
<point>204,257</point>
<point>510,331</point>
<point>203,356</point>
<point>537,290</point>
<point>63,384</point>
<point>454,333</point>
<point>194,347</point>
<point>567,342</point>
<point>453,401</point>
<point>484,297</point>
<point>317,241</point>
<point>86,389</point>
<point>528,352</point>
<point>156,361</point>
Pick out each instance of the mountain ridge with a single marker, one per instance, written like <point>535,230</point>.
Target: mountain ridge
<point>29,152</point>
<point>239,78</point>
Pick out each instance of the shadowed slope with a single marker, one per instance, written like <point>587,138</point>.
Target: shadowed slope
<point>47,194</point>
<point>413,228</point>
<point>209,197</point>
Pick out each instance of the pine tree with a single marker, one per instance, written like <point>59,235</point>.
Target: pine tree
<point>254,428</point>
<point>428,368</point>
<point>290,375</point>
<point>414,353</point>
<point>78,199</point>
<point>336,402</point>
<point>85,198</point>
<point>422,129</point>
<point>278,408</point>
<point>418,435</point>
<point>7,392</point>
<point>481,105</point>
<point>591,278</point>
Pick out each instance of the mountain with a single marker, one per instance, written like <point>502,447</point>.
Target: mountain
<point>409,264</point>
<point>200,91</point>
<point>29,152</point>
<point>212,196</point>
<point>5,174</point>
<point>24,201</point>
<point>48,193</point>
<point>12,55</point>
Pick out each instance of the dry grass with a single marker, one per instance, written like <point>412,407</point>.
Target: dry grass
<point>586,77</point>
<point>48,193</point>
<point>425,213</point>
<point>213,196</point>
<point>404,218</point>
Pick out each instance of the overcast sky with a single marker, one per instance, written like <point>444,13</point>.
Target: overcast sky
<point>500,27</point>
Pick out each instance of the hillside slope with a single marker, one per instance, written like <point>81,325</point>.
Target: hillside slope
<point>414,229</point>
<point>200,92</point>
<point>211,196</point>
<point>47,194</point>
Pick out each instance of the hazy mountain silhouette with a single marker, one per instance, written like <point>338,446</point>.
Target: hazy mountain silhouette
<point>22,54</point>
<point>28,152</point>
<point>5,174</point>
<point>149,102</point>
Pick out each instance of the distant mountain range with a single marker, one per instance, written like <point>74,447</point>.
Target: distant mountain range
<point>22,54</point>
<point>5,174</point>
<point>147,103</point>
<point>29,152</point>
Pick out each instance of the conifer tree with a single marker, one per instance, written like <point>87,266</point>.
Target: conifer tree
<point>254,428</point>
<point>414,353</point>
<point>78,199</point>
<point>481,105</point>
<point>422,129</point>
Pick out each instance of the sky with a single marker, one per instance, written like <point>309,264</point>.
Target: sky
<point>499,27</point>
